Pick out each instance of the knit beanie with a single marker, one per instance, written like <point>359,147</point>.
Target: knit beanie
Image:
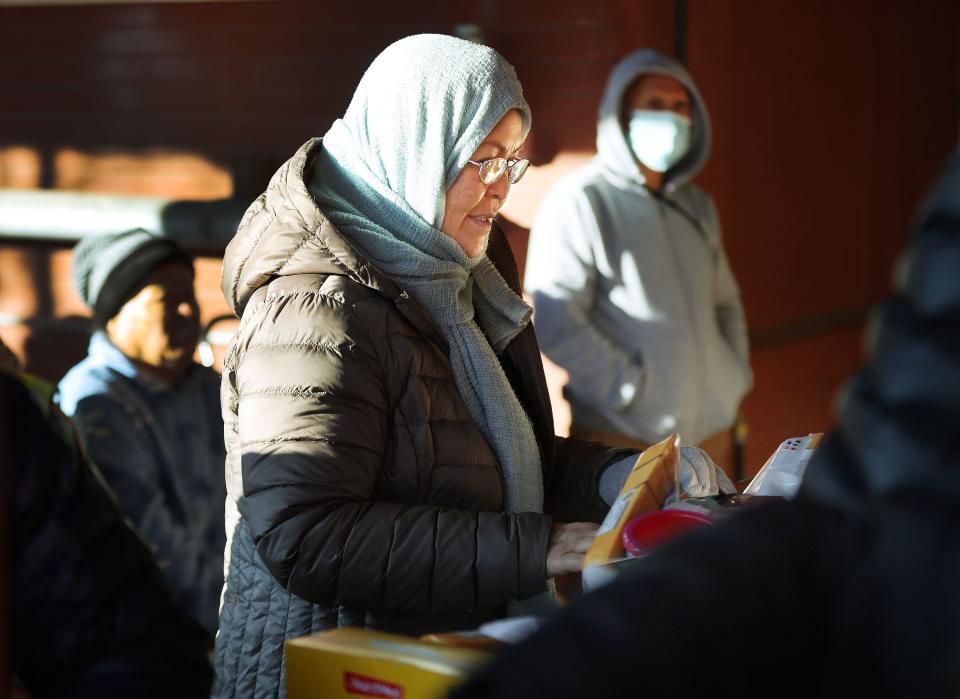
<point>108,269</point>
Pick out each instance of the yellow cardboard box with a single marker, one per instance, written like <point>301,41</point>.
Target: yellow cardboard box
<point>353,663</point>
<point>652,477</point>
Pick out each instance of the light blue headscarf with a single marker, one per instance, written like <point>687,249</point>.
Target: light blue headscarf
<point>420,111</point>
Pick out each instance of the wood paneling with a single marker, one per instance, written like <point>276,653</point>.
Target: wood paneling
<point>831,118</point>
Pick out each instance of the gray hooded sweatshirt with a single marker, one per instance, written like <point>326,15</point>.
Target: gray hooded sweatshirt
<point>633,293</point>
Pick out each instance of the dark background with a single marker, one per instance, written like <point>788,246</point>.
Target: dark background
<point>830,120</point>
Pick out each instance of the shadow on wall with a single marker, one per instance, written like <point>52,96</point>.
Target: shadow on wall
<point>48,347</point>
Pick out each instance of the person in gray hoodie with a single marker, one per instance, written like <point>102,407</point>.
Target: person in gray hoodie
<point>633,293</point>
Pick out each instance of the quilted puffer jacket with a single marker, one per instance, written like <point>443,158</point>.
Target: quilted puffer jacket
<point>359,489</point>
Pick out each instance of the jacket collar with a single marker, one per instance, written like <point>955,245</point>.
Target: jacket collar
<point>104,353</point>
<point>284,233</point>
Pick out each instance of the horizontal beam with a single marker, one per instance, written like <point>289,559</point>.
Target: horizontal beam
<point>199,226</point>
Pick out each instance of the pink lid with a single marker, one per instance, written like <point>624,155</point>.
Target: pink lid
<point>644,533</point>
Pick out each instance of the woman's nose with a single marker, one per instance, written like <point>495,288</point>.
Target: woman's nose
<point>501,188</point>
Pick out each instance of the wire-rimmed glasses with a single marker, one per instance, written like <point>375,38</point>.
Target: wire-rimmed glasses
<point>492,169</point>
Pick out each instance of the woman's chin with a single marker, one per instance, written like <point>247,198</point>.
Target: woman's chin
<point>473,237</point>
<point>478,248</point>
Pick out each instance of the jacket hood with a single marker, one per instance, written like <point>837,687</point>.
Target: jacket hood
<point>613,150</point>
<point>284,232</point>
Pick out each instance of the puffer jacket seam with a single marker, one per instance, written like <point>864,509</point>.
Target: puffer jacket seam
<point>262,634</point>
<point>435,560</point>
<point>353,274</point>
<point>412,439</point>
<point>361,513</point>
<point>299,392</point>
<point>278,294</point>
<point>246,585</point>
<point>249,312</point>
<point>249,574</point>
<point>476,560</point>
<point>302,391</point>
<point>262,200</point>
<point>386,567</point>
<point>288,600</point>
<point>518,534</point>
<point>236,646</point>
<point>315,346</point>
<point>302,244</point>
<point>295,440</point>
<point>427,477</point>
<point>351,310</point>
<point>390,367</point>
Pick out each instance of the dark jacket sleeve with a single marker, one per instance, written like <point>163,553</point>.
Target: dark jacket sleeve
<point>314,423</point>
<point>92,613</point>
<point>574,489</point>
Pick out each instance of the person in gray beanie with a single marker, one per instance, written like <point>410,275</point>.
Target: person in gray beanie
<point>108,268</point>
<point>147,414</point>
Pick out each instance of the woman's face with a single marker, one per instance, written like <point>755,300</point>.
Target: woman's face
<point>471,204</point>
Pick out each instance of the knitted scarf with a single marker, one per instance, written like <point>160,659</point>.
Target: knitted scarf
<point>420,111</point>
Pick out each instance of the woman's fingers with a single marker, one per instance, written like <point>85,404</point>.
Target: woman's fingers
<point>568,543</point>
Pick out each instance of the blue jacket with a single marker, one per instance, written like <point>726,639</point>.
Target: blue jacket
<point>160,448</point>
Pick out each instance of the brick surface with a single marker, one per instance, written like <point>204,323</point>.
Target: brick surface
<point>830,121</point>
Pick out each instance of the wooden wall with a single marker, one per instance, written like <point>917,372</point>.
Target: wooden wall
<point>830,121</point>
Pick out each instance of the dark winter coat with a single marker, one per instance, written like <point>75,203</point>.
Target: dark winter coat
<point>92,614</point>
<point>850,590</point>
<point>364,492</point>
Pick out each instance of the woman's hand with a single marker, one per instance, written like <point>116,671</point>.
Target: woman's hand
<point>568,543</point>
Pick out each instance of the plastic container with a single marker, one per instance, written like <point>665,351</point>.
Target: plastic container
<point>644,533</point>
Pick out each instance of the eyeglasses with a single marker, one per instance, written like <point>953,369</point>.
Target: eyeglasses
<point>492,169</point>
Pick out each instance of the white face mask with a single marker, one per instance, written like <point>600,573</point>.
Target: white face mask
<point>659,139</point>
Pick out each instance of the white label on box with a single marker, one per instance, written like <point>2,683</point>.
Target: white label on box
<point>616,511</point>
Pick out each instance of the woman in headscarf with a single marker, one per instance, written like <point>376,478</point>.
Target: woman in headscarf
<point>391,461</point>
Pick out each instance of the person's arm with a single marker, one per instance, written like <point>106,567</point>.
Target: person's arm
<point>121,450</point>
<point>561,279</point>
<point>574,492</point>
<point>314,424</point>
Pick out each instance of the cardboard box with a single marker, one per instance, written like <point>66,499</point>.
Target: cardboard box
<point>651,479</point>
<point>353,663</point>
